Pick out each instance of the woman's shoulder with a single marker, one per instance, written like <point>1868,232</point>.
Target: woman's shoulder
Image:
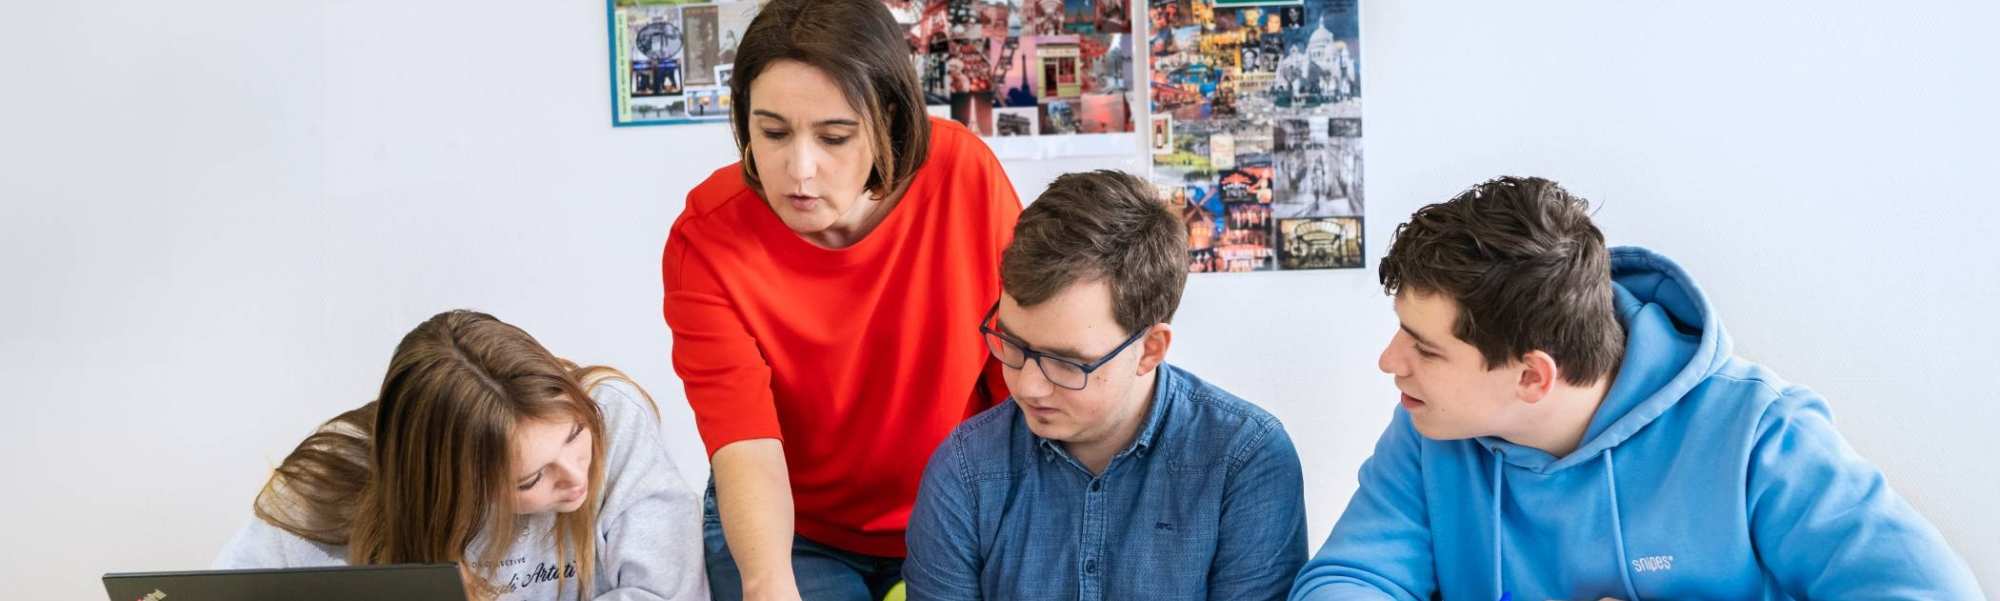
<point>721,188</point>
<point>962,168</point>
<point>715,219</point>
<point>952,143</point>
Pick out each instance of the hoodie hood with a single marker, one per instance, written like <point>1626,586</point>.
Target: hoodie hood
<point>1672,342</point>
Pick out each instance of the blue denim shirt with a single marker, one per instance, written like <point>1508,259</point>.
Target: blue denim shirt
<point>1206,503</point>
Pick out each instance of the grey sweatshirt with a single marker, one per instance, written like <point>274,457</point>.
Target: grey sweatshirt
<point>649,544</point>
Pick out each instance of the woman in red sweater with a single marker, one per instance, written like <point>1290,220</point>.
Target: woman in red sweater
<point>823,295</point>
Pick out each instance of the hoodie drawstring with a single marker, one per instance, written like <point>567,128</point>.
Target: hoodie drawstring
<point>1499,460</point>
<point>1617,525</point>
<point>1618,529</point>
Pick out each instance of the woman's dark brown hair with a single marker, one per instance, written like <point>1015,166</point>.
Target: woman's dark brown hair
<point>1527,268</point>
<point>858,44</point>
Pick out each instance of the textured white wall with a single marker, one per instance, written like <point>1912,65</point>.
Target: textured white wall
<point>217,218</point>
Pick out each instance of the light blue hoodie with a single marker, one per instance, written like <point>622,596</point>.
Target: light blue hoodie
<point>1702,476</point>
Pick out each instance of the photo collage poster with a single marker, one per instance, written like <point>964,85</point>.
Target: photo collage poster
<point>1024,68</point>
<point>1060,72</point>
<point>1256,130</point>
<point>671,60</point>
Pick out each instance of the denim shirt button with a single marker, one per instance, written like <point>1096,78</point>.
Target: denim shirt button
<point>1097,486</point>
<point>1090,566</point>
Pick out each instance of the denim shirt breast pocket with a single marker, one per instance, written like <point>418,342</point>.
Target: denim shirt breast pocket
<point>1027,537</point>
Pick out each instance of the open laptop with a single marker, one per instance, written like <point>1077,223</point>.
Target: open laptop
<point>415,582</point>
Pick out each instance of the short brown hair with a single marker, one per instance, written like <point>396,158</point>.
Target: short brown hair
<point>1526,266</point>
<point>1100,224</point>
<point>858,44</point>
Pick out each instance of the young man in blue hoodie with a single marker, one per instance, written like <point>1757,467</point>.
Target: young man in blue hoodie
<point>1573,426</point>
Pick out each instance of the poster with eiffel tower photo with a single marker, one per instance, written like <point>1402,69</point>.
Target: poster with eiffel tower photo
<point>1037,78</point>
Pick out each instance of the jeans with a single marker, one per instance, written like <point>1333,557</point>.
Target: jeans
<point>823,572</point>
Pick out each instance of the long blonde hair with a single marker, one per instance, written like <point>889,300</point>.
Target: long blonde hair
<point>424,470</point>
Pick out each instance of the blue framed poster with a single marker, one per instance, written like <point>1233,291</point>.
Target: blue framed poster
<point>671,59</point>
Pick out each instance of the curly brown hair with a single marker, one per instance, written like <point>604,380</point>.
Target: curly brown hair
<point>1527,268</point>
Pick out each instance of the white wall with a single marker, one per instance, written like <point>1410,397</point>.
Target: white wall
<point>219,217</point>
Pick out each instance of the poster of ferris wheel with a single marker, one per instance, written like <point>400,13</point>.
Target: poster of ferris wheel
<point>670,59</point>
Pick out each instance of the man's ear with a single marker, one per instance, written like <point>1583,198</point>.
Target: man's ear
<point>1539,374</point>
<point>1153,347</point>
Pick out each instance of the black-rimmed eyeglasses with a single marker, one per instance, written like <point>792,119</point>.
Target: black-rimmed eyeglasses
<point>1062,372</point>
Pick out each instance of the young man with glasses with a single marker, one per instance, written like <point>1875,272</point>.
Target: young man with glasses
<point>1112,475</point>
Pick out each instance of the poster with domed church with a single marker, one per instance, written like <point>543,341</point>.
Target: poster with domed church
<point>1256,130</point>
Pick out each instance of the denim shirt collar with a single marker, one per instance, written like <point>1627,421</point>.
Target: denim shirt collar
<point>1168,387</point>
